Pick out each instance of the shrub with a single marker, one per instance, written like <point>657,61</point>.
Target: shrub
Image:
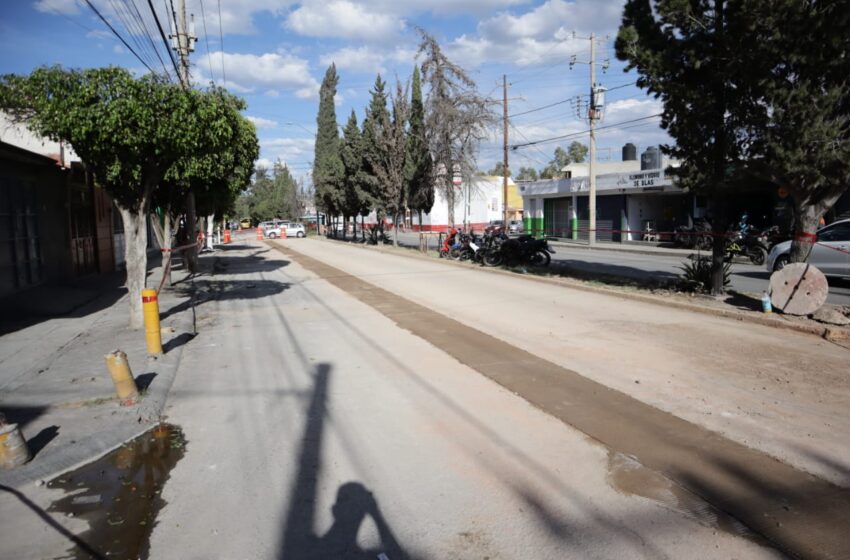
<point>696,275</point>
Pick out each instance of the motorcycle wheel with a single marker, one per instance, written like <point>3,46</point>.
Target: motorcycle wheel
<point>466,254</point>
<point>540,258</point>
<point>493,258</point>
<point>758,255</point>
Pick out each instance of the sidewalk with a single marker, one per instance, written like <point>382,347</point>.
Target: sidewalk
<point>53,378</point>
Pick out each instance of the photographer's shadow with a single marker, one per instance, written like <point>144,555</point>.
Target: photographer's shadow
<point>353,504</point>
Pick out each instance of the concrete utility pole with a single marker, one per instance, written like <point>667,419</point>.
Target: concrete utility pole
<point>505,155</point>
<point>591,172</point>
<point>594,114</point>
<point>184,45</point>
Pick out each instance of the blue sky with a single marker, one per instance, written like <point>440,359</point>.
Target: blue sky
<point>274,53</point>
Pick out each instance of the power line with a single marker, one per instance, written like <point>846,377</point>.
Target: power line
<point>561,102</point>
<point>109,25</point>
<point>164,38</point>
<point>221,39</point>
<point>207,40</point>
<point>149,36</point>
<point>565,136</point>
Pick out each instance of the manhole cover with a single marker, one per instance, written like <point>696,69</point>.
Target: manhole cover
<point>798,289</point>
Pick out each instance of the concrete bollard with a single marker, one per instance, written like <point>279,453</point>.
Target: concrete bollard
<point>153,333</point>
<point>13,448</point>
<point>122,377</point>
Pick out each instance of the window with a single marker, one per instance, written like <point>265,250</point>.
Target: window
<point>838,232</point>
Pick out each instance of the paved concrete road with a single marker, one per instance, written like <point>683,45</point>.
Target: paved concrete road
<point>318,428</point>
<point>745,277</point>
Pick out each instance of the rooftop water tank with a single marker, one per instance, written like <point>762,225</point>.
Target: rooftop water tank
<point>629,152</point>
<point>651,158</point>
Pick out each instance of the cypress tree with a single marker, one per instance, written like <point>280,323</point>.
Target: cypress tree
<point>376,116</point>
<point>327,164</point>
<point>418,167</point>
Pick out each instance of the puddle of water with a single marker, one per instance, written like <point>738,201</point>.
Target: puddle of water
<point>119,494</point>
<point>628,476</point>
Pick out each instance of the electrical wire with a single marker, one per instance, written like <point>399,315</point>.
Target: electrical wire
<point>573,135</point>
<point>164,38</point>
<point>221,39</point>
<point>149,37</point>
<point>561,102</point>
<point>109,25</point>
<point>206,40</point>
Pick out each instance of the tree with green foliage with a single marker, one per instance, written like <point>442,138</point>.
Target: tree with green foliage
<point>499,170</point>
<point>327,163</point>
<point>694,57</point>
<point>355,184</point>
<point>215,178</point>
<point>575,153</point>
<point>389,158</point>
<point>128,131</point>
<point>377,116</point>
<point>527,174</point>
<point>457,118</point>
<point>419,168</point>
<point>797,74</point>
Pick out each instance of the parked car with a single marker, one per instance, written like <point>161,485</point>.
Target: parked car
<point>515,226</point>
<point>831,253</point>
<point>245,223</point>
<point>295,229</point>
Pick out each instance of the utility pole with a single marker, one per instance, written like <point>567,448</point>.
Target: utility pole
<point>591,172</point>
<point>505,155</point>
<point>594,113</point>
<point>184,45</point>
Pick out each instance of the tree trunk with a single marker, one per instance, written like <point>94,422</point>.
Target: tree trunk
<point>162,232</point>
<point>363,227</point>
<point>806,221</point>
<point>450,198</point>
<point>136,256</point>
<point>718,247</point>
<point>191,226</point>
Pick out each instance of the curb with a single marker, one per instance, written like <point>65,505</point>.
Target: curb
<point>831,333</point>
<point>126,423</point>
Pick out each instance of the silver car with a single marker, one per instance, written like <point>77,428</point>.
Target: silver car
<point>831,253</point>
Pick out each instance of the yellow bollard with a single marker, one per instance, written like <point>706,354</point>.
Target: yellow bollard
<point>153,334</point>
<point>13,448</point>
<point>122,377</point>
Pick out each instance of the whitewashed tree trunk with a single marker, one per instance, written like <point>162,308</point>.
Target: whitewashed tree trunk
<point>209,239</point>
<point>135,253</point>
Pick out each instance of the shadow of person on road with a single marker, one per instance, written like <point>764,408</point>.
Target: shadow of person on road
<point>354,503</point>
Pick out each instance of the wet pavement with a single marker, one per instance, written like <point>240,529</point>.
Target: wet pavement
<point>119,495</point>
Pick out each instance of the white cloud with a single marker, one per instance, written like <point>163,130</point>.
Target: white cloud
<point>288,149</point>
<point>237,16</point>
<point>539,35</point>
<point>269,72</point>
<point>263,162</point>
<point>367,59</point>
<point>260,122</point>
<point>65,7</point>
<point>345,19</point>
<point>118,49</point>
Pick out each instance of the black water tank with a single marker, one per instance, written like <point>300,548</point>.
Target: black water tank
<point>651,158</point>
<point>629,152</point>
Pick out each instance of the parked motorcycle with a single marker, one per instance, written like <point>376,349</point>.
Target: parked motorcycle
<point>750,243</point>
<point>526,250</point>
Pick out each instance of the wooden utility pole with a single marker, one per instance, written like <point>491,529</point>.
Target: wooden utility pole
<point>505,155</point>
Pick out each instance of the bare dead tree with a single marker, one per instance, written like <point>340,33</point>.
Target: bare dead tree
<point>457,117</point>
